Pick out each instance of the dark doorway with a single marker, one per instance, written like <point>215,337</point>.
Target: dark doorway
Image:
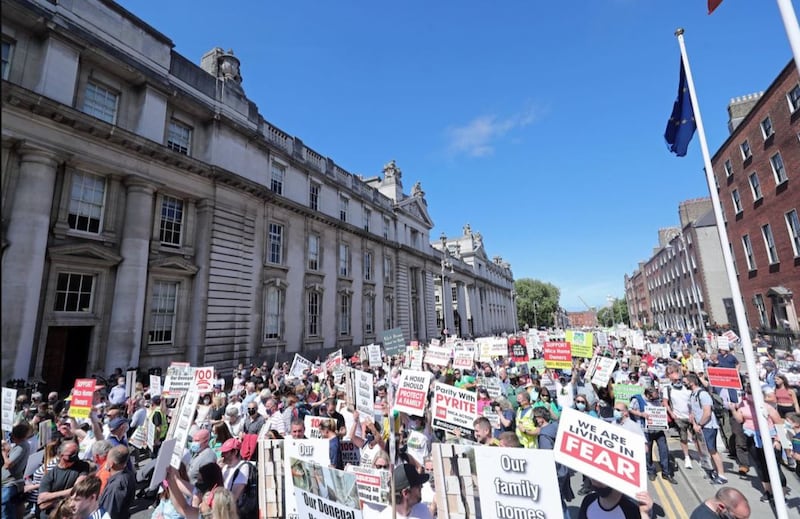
<point>66,356</point>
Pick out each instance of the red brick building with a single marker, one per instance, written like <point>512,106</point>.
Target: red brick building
<point>757,171</point>
<point>582,319</point>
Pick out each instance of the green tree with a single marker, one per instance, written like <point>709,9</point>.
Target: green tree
<point>537,302</point>
<point>614,314</point>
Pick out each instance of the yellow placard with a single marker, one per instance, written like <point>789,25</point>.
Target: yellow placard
<point>582,345</point>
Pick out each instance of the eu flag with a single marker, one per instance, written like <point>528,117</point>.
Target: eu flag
<point>681,125</point>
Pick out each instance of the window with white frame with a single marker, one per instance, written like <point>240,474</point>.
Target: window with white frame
<point>769,244</point>
<point>179,137</point>
<point>74,292</point>
<point>8,52</point>
<point>745,149</point>
<point>367,218</point>
<point>778,169</point>
<point>766,128</point>
<point>728,168</point>
<point>86,202</point>
<point>755,186</point>
<point>369,266</point>
<point>369,315</point>
<point>313,196</point>
<point>273,327</point>
<point>171,221</point>
<point>388,313</point>
<point>793,226</point>
<point>793,97</point>
<point>313,252</point>
<point>737,201</point>
<point>344,260</point>
<point>276,181</point>
<point>275,244</point>
<point>454,294</point>
<point>388,270</point>
<point>344,204</point>
<point>163,306</point>
<point>344,313</point>
<point>101,102</point>
<point>758,300</point>
<point>747,246</point>
<point>733,257</point>
<point>386,227</point>
<point>313,300</point>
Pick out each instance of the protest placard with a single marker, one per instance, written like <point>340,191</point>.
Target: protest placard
<point>517,483</point>
<point>271,480</point>
<point>45,432</point>
<point>299,364</point>
<point>493,417</point>
<point>537,364</point>
<point>350,453</point>
<point>518,349</point>
<point>456,481</point>
<point>139,437</point>
<point>312,424</point>
<point>722,342</point>
<point>557,355</point>
<point>162,462</point>
<point>372,483</point>
<point>415,358</point>
<point>130,383</point>
<point>184,422</point>
<point>492,385</point>
<point>313,451</point>
<point>393,341</point>
<point>603,451</point>
<point>364,392</point>
<point>697,365</point>
<point>624,392</point>
<point>724,377</point>
<point>412,392</point>
<point>580,343</point>
<point>333,360</point>
<point>463,359</point>
<point>436,342</point>
<point>731,336</point>
<point>324,492</point>
<point>203,380</point>
<point>9,401</point>
<point>656,418</point>
<point>179,378</point>
<point>155,385</point>
<point>438,355</point>
<point>453,408</point>
<point>374,355</point>
<point>603,370</point>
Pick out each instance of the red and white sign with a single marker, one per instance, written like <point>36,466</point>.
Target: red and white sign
<point>453,407</point>
<point>412,392</point>
<point>603,370</point>
<point>462,359</point>
<point>82,398</point>
<point>731,335</point>
<point>557,355</point>
<point>603,451</point>
<point>724,377</point>
<point>203,380</point>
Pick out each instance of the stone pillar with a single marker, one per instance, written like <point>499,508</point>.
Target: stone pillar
<point>462,308</point>
<point>202,252</point>
<point>24,259</point>
<point>127,310</point>
<point>447,306</point>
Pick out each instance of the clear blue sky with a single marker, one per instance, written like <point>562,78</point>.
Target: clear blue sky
<point>538,123</point>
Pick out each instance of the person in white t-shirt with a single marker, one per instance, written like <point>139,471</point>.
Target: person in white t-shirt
<point>419,439</point>
<point>234,471</point>
<point>676,399</point>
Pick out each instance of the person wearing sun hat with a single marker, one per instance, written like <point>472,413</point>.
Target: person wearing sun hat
<point>407,483</point>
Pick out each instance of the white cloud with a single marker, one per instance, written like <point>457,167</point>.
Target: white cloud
<point>478,137</point>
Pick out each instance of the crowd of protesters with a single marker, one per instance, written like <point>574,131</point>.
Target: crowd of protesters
<point>89,468</point>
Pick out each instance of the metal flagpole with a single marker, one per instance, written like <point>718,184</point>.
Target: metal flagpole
<point>792,28</point>
<point>741,320</point>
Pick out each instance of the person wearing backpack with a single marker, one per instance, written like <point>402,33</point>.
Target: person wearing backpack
<point>705,425</point>
<point>240,477</point>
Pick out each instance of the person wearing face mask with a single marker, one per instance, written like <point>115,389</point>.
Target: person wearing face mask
<point>57,483</point>
<point>727,503</point>
<point>369,440</point>
<point>657,438</point>
<point>201,454</point>
<point>605,502</point>
<point>253,422</point>
<point>675,398</point>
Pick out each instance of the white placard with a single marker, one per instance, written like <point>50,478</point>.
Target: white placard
<point>603,371</point>
<point>438,355</point>
<point>9,400</point>
<point>364,392</point>
<point>130,383</point>
<point>373,484</point>
<point>657,418</point>
<point>416,359</point>
<point>315,451</point>
<point>412,392</point>
<point>155,385</point>
<point>203,380</point>
<point>374,355</point>
<point>697,365</point>
<point>185,420</point>
<point>312,426</point>
<point>179,378</point>
<point>603,451</point>
<point>453,408</point>
<point>162,462</point>
<point>517,483</point>
<point>463,359</point>
<point>299,364</point>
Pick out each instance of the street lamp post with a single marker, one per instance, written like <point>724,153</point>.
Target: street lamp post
<point>613,313</point>
<point>535,320</point>
<point>447,299</point>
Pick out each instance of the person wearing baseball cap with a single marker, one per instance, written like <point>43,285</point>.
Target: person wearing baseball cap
<point>234,472</point>
<point>408,494</point>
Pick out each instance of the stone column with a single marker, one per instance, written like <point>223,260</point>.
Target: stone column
<point>24,258</point>
<point>202,252</point>
<point>462,308</point>
<point>447,306</point>
<point>127,310</point>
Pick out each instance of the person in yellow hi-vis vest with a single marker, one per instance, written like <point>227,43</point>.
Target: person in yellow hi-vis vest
<point>159,420</point>
<point>527,431</point>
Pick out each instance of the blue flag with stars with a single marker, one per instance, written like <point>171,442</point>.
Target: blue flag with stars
<point>681,124</point>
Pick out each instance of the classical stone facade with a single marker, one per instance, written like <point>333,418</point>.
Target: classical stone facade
<point>150,213</point>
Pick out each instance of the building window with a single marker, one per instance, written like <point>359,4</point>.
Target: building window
<point>367,218</point>
<point>313,252</point>
<point>8,51</point>
<point>275,244</point>
<point>100,102</point>
<point>344,260</point>
<point>746,151</point>
<point>414,238</point>
<point>755,187</point>
<point>769,243</point>
<point>86,202</point>
<point>312,314</point>
<point>344,314</point>
<point>388,270</point>
<point>733,257</point>
<point>171,221</point>
<point>276,182</point>
<point>368,266</point>
<point>766,128</point>
<point>313,196</point>
<point>454,294</point>
<point>793,226</point>
<point>344,203</point>
<point>758,299</point>
<point>369,315</point>
<point>179,137</point>
<point>737,201</point>
<point>274,307</point>
<point>728,168</point>
<point>778,168</point>
<point>793,96</point>
<point>74,292</point>
<point>747,245</point>
<point>162,312</point>
<point>386,228</point>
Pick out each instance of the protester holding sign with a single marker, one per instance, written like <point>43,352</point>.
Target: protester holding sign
<point>606,502</point>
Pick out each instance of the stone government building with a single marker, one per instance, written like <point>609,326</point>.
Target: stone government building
<point>150,213</point>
